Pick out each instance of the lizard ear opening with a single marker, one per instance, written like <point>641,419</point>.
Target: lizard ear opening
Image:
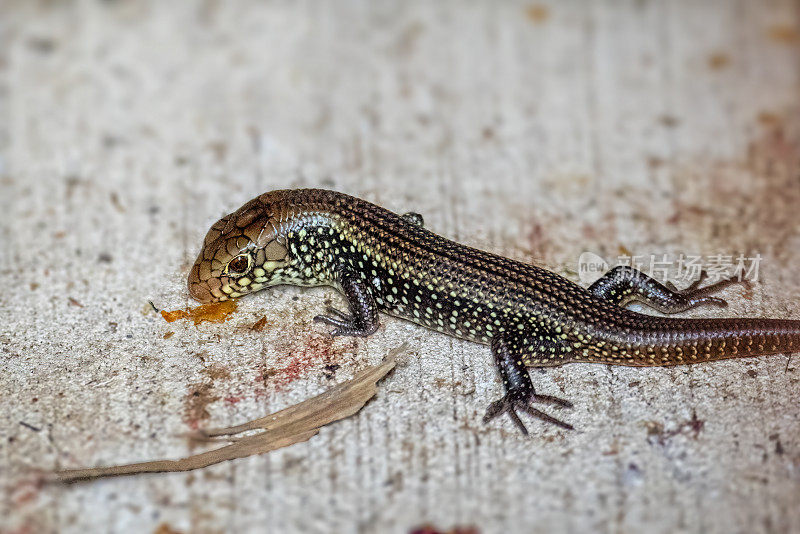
<point>274,251</point>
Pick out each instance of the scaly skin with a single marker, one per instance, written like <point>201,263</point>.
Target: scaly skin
<point>530,317</point>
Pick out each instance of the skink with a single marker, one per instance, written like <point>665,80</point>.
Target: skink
<point>530,317</point>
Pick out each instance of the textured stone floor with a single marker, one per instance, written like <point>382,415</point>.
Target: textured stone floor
<point>539,131</point>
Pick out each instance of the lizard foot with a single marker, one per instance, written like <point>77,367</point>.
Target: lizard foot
<point>344,323</point>
<point>509,404</point>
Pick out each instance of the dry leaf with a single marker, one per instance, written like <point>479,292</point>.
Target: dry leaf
<point>286,427</point>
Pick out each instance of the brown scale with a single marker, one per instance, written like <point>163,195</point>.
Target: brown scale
<point>529,316</point>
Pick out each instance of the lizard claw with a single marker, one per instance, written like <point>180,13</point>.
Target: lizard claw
<point>342,321</point>
<point>510,405</point>
<point>338,314</point>
<point>694,295</point>
<point>345,324</point>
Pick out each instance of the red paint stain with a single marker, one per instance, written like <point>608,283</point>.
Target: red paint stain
<point>26,491</point>
<point>196,402</point>
<point>312,353</point>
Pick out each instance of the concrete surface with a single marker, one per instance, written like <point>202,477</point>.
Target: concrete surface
<point>537,131</point>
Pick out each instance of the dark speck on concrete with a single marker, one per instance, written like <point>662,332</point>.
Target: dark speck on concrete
<point>41,45</point>
<point>330,370</point>
<point>110,141</point>
<point>778,445</point>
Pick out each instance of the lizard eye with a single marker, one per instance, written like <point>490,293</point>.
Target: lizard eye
<point>239,265</point>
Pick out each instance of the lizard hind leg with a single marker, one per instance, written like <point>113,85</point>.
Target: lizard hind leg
<point>623,285</point>
<point>519,388</point>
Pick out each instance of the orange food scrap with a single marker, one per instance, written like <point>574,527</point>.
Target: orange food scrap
<point>769,119</point>
<point>172,316</point>
<point>165,528</point>
<point>537,14</point>
<point>258,326</point>
<point>718,60</point>
<point>783,33</point>
<point>217,312</point>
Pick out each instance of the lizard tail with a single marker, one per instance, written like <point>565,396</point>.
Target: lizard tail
<point>661,341</point>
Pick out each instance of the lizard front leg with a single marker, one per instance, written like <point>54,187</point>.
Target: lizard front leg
<point>363,317</point>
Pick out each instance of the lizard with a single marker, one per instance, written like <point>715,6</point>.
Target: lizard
<point>527,315</point>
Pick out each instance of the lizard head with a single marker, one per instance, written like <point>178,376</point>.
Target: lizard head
<point>242,253</point>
